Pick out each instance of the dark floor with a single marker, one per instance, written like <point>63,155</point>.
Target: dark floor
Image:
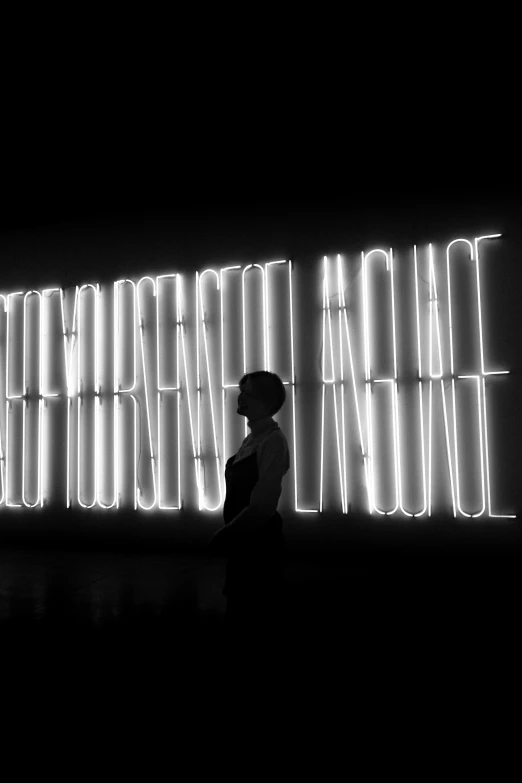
<point>112,644</point>
<point>170,606</point>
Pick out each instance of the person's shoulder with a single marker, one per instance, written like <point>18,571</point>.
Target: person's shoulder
<point>275,437</point>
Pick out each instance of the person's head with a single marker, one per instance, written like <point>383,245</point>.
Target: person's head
<point>261,394</point>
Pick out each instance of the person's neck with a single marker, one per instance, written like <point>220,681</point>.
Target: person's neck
<point>260,424</point>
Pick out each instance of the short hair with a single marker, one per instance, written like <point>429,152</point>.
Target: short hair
<point>269,387</point>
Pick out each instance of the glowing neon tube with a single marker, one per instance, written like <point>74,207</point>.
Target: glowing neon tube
<point>181,321</point>
<point>251,266</point>
<point>2,457</point>
<point>421,401</point>
<point>481,446</point>
<point>45,394</point>
<point>224,386</point>
<point>484,375</point>
<point>97,403</point>
<point>434,312</point>
<point>9,398</point>
<point>67,352</point>
<point>147,408</point>
<point>119,391</point>
<point>452,369</point>
<point>435,371</point>
<point>342,308</point>
<point>82,393</point>
<point>291,382</point>
<point>163,389</point>
<point>370,381</point>
<point>331,381</point>
<point>202,504</point>
<point>26,399</point>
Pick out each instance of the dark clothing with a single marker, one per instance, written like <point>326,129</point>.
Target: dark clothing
<point>254,572</point>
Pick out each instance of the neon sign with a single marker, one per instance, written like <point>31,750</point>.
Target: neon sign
<point>130,419</point>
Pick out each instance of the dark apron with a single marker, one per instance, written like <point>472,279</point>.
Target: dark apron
<point>254,562</point>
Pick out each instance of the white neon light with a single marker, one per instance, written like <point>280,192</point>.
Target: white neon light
<point>117,388</point>
<point>119,391</point>
<point>367,379</point>
<point>68,352</point>
<point>46,295</point>
<point>82,393</point>
<point>452,369</point>
<point>31,496</point>
<point>342,307</point>
<point>326,309</point>
<point>97,403</point>
<point>147,408</point>
<point>484,374</point>
<point>395,387</point>
<point>202,504</point>
<point>421,402</point>
<point>488,483</point>
<point>2,457</point>
<point>391,381</point>
<point>115,385</point>
<point>479,306</point>
<point>181,321</point>
<point>251,266</point>
<point>267,343</point>
<point>224,386</point>
<point>343,426</point>
<point>163,389</point>
<point>291,382</point>
<point>294,431</point>
<point>434,309</point>
<point>9,398</point>
<point>25,403</point>
<point>45,394</point>
<point>477,379</point>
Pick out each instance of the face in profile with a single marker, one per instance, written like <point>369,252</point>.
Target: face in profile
<point>249,404</point>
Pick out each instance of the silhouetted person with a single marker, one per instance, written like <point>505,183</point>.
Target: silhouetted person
<point>252,537</point>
